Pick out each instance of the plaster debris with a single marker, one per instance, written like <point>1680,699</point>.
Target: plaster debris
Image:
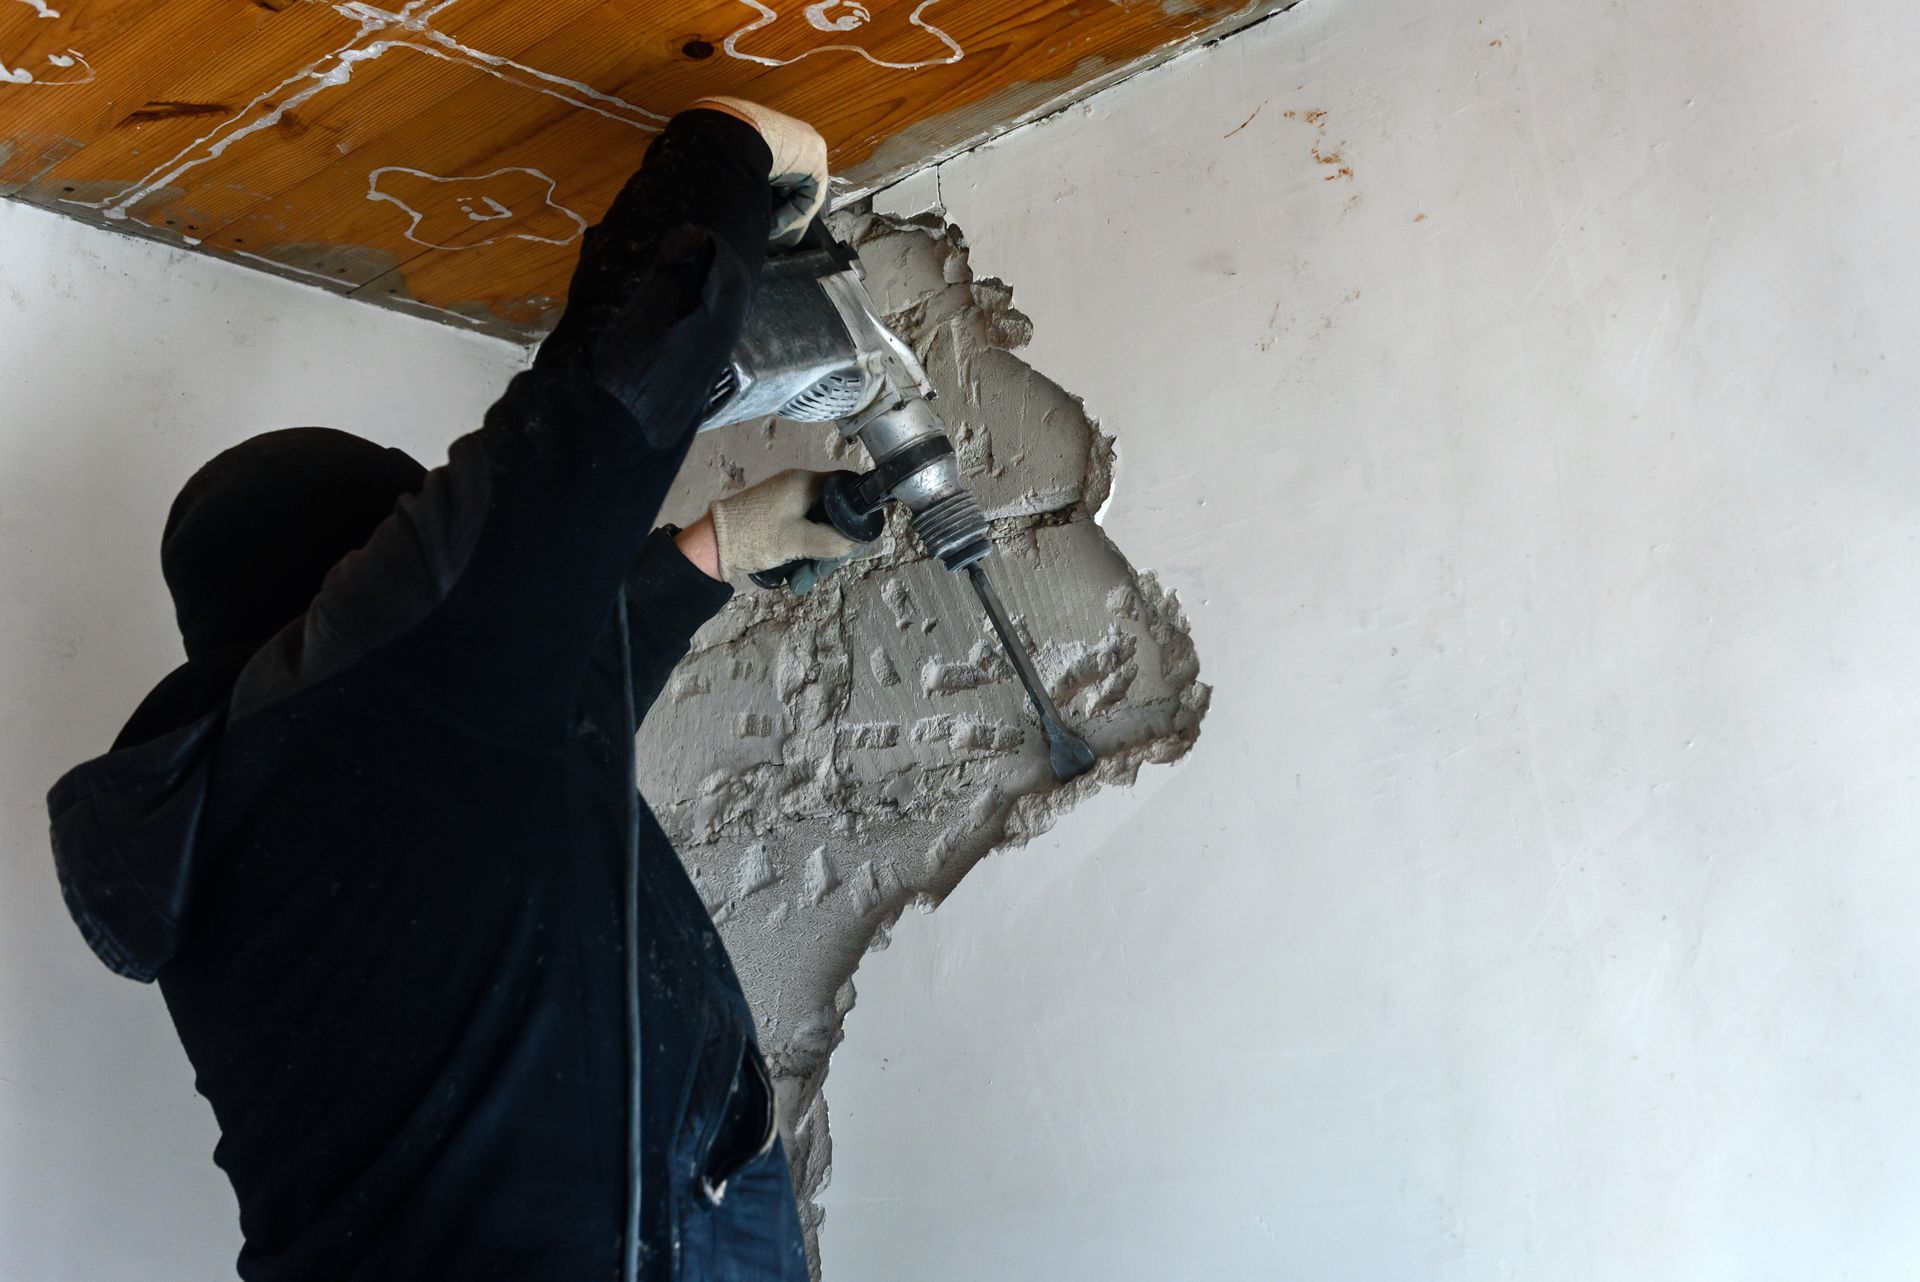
<point>818,876</point>
<point>814,793</point>
<point>757,872</point>
<point>855,738</point>
<point>985,662</point>
<point>895,594</point>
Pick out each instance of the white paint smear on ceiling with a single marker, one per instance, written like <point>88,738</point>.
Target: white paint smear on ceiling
<point>1540,898</point>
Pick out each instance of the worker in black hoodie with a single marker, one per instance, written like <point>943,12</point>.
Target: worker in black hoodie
<point>457,1008</point>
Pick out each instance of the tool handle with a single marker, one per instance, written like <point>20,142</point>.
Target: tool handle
<point>836,506</point>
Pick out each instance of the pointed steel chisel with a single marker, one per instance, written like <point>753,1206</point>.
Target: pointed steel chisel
<point>1068,754</point>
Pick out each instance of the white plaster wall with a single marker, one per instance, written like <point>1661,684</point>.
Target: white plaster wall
<point>123,366</point>
<point>1541,898</point>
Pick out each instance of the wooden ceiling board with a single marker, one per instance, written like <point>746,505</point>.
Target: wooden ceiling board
<point>416,106</point>
<point>164,87</point>
<point>444,156</point>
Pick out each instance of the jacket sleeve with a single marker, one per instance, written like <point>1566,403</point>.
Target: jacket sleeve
<point>668,599</point>
<point>483,595</point>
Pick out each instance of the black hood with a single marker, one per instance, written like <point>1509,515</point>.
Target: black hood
<point>255,531</point>
<point>247,545</point>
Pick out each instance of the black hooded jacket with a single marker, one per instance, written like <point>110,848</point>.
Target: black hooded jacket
<point>457,1008</point>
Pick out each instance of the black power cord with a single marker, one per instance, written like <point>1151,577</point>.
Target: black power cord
<point>630,1263</point>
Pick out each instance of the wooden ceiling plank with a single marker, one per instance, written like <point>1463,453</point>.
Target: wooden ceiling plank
<point>75,95</point>
<point>362,198</point>
<point>395,84</point>
<point>525,290</point>
<point>445,156</point>
<point>162,73</point>
<point>298,134</point>
<point>526,126</point>
<point>1006,44</point>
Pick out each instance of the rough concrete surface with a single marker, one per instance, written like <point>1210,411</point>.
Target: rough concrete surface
<point>825,762</point>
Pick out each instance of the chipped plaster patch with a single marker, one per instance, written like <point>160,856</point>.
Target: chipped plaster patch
<point>824,762</point>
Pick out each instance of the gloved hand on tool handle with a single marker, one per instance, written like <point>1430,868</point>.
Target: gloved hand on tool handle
<point>765,526</point>
<point>799,173</point>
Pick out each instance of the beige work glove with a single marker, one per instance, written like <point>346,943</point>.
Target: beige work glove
<point>766,525</point>
<point>799,164</point>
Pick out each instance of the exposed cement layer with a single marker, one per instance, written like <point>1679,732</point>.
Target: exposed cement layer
<point>824,762</point>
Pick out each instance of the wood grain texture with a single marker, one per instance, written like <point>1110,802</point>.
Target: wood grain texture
<point>443,157</point>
